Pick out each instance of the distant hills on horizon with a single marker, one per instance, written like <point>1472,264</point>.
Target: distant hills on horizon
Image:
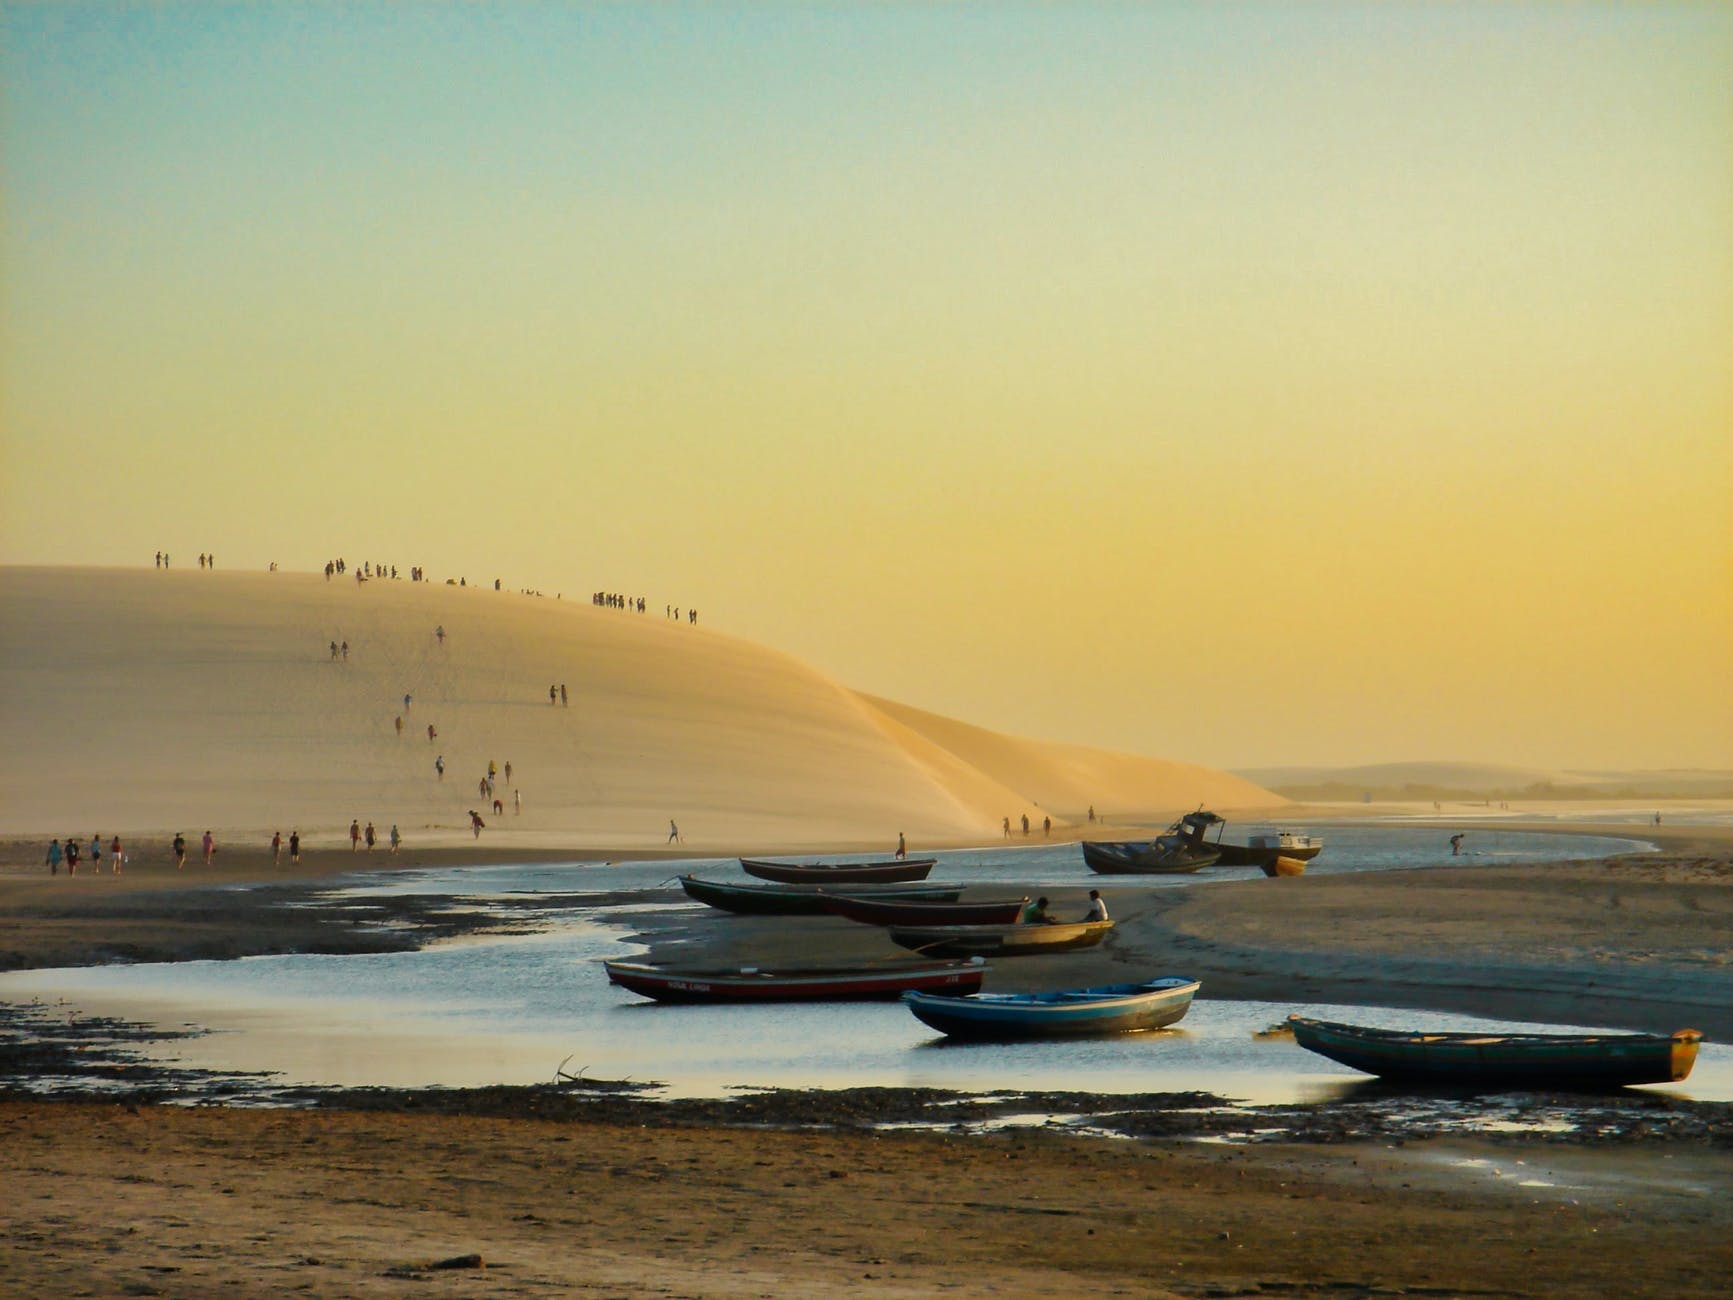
<point>1458,780</point>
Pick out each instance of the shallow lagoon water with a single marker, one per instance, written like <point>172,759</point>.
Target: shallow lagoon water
<point>513,1009</point>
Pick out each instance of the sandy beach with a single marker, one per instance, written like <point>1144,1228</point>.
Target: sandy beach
<point>348,1200</point>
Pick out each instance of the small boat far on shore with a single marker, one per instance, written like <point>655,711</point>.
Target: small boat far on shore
<point>1185,848</point>
<point>849,873</point>
<point>802,900</point>
<point>1266,849</point>
<point>1066,1013</point>
<point>886,909</point>
<point>1567,1061</point>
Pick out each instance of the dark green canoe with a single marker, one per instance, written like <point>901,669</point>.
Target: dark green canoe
<point>1567,1061</point>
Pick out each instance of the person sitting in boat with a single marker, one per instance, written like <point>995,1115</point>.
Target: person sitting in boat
<point>1036,913</point>
<point>1097,907</point>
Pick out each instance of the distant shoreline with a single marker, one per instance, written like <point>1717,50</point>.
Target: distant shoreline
<point>1521,940</point>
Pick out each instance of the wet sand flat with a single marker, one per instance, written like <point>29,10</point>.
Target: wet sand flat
<point>112,1200</point>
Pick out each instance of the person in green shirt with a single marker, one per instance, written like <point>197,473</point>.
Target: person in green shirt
<point>1036,913</point>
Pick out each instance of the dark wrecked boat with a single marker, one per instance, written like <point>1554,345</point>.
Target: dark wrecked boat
<point>1018,940</point>
<point>840,873</point>
<point>1181,850</point>
<point>883,909</point>
<point>801,900</point>
<point>884,979</point>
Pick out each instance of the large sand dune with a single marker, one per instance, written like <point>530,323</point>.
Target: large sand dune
<point>150,701</point>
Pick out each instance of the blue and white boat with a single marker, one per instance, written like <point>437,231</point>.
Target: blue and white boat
<point>1106,1009</point>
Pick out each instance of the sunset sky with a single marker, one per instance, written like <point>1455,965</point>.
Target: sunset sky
<point>1243,384</point>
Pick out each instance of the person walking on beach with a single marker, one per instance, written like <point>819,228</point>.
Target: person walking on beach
<point>406,699</point>
<point>209,845</point>
<point>439,766</point>
<point>115,856</point>
<point>1006,823</point>
<point>1025,825</point>
<point>371,837</point>
<point>1456,844</point>
<point>439,632</point>
<point>431,733</point>
<point>396,839</point>
<point>294,846</point>
<point>493,770</point>
<point>1097,908</point>
<point>498,808</point>
<point>674,833</point>
<point>475,822</point>
<point>96,853</point>
<point>553,695</point>
<point>333,650</point>
<point>345,651</point>
<point>276,848</point>
<point>180,849</point>
<point>563,700</point>
<point>1091,812</point>
<point>1046,826</point>
<point>517,803</point>
<point>508,771</point>
<point>902,847</point>
<point>71,856</point>
<point>400,724</point>
<point>54,853</point>
<point>354,836</point>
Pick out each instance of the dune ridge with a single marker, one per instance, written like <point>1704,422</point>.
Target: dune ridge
<point>154,701</point>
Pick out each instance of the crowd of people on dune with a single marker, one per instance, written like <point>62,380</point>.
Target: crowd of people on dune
<point>70,854</point>
<point>370,570</point>
<point>639,605</point>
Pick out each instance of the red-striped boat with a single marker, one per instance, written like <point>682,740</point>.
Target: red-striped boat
<point>841,873</point>
<point>905,911</point>
<point>889,979</point>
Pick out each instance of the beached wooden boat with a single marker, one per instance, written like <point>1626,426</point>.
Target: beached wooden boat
<point>840,873</point>
<point>1284,866</point>
<point>1568,1061</point>
<point>887,979</point>
<point>801,900</point>
<point>1069,1013</point>
<point>881,909</point>
<point>1158,857</point>
<point>1000,940</point>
